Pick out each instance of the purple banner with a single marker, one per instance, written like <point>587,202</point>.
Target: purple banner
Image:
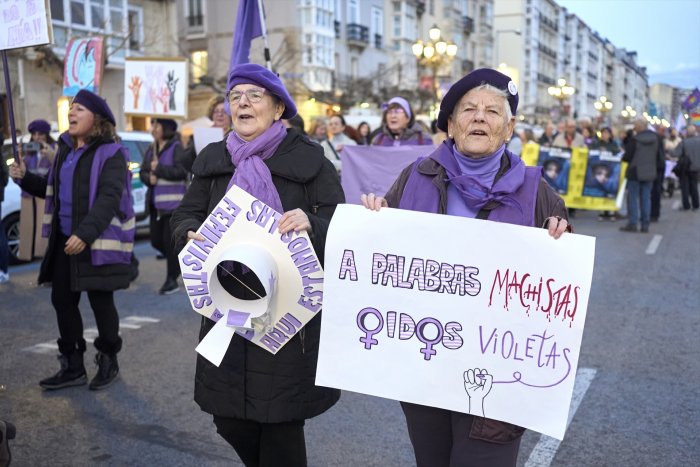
<point>373,169</point>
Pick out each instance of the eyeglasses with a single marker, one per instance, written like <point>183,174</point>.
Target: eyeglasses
<point>254,96</point>
<point>396,111</point>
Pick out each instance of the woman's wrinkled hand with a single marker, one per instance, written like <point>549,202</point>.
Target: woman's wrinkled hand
<point>556,226</point>
<point>295,220</point>
<point>373,202</point>
<point>74,245</point>
<point>191,235</point>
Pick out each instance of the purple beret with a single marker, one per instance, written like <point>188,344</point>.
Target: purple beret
<point>252,73</point>
<point>167,123</point>
<point>94,104</point>
<point>42,126</point>
<point>472,80</point>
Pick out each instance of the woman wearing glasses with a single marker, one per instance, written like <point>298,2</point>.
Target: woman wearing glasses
<point>260,401</point>
<point>399,126</point>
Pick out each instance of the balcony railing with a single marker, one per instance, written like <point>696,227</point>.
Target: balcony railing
<point>547,51</point>
<point>357,34</point>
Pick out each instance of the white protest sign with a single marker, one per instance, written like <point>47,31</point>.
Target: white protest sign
<point>206,136</point>
<point>244,229</point>
<point>25,23</point>
<point>156,86</point>
<point>462,314</point>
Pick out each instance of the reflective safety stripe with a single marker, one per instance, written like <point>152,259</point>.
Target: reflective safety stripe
<point>126,225</point>
<point>164,198</point>
<point>49,190</point>
<point>112,245</point>
<point>170,182</point>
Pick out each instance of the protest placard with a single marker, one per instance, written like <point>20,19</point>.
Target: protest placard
<point>25,23</point>
<point>243,229</point>
<point>156,87</point>
<point>373,169</point>
<point>584,179</point>
<point>418,300</point>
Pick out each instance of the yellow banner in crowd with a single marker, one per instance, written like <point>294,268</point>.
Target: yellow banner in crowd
<point>584,179</point>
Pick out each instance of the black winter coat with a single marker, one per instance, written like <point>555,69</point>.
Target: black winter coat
<point>251,383</point>
<point>88,224</point>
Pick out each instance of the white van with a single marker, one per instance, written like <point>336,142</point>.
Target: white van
<point>136,142</point>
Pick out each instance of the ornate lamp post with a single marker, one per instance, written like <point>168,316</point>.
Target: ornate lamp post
<point>603,105</point>
<point>562,92</point>
<point>434,54</point>
<point>628,113</point>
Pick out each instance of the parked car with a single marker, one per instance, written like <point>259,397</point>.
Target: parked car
<point>136,142</point>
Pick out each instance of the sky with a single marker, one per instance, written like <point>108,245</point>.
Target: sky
<point>664,33</point>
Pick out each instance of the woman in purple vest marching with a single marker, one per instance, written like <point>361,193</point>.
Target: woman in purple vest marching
<point>399,126</point>
<point>165,176</point>
<point>89,222</point>
<point>38,158</point>
<point>472,174</point>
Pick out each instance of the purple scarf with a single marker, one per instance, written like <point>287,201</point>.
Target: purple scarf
<point>251,173</point>
<point>476,192</point>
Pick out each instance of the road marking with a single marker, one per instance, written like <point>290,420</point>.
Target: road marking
<point>90,334</point>
<point>654,244</point>
<point>546,448</point>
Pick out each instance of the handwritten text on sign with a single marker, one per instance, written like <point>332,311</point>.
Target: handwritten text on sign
<point>419,300</point>
<point>241,223</point>
<point>25,23</point>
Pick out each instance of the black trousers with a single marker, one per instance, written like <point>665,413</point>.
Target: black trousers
<point>162,240</point>
<point>265,444</point>
<point>657,189</point>
<point>689,190</point>
<point>440,438</point>
<point>65,302</point>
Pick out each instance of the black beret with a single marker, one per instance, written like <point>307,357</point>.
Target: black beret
<point>167,123</point>
<point>39,125</point>
<point>475,79</point>
<point>94,104</point>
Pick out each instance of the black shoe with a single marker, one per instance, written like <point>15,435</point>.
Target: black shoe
<point>169,287</point>
<point>72,373</point>
<point>7,432</point>
<point>107,371</point>
<point>644,230</point>
<point>628,228</point>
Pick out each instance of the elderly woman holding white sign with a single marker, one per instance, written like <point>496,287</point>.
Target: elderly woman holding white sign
<point>259,400</point>
<point>472,174</point>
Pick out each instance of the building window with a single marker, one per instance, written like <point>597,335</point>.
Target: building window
<point>77,12</point>
<point>57,13</point>
<point>377,26</point>
<point>135,28</point>
<point>397,26</point>
<point>194,13</point>
<point>353,12</point>
<point>199,65</point>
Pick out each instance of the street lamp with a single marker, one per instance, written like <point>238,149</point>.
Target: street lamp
<point>561,92</point>
<point>498,33</point>
<point>434,53</point>
<point>628,112</point>
<point>603,105</point>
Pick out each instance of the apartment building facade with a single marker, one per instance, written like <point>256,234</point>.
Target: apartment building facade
<point>544,42</point>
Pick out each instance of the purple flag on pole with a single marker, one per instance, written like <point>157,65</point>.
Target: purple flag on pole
<point>247,28</point>
<point>692,100</point>
<point>373,169</point>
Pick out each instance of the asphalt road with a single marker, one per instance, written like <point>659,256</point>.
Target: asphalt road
<point>637,403</point>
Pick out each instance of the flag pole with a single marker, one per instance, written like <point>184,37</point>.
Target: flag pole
<point>10,108</point>
<point>263,28</point>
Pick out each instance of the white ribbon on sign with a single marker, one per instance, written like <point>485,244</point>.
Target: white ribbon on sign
<point>240,314</point>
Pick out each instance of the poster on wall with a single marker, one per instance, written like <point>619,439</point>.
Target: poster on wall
<point>155,87</point>
<point>83,66</point>
<point>493,329</point>
<point>25,23</point>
